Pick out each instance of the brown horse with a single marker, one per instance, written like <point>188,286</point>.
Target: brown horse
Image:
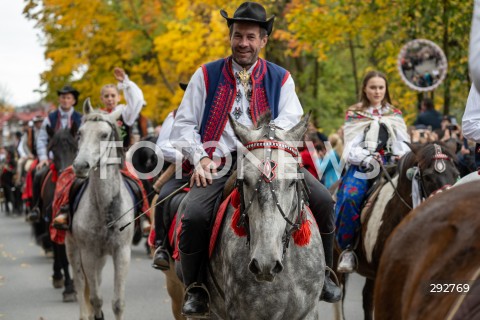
<point>432,259</point>
<point>392,205</point>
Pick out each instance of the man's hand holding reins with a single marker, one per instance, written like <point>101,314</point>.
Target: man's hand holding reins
<point>203,173</point>
<point>42,163</point>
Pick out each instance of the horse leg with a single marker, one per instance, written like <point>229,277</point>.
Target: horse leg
<point>57,278</point>
<point>69,292</point>
<point>121,264</point>
<point>73,254</point>
<point>175,290</point>
<point>339,307</point>
<point>91,263</point>
<point>368,298</point>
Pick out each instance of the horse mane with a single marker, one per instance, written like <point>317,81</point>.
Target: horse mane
<point>100,115</point>
<point>264,119</point>
<point>64,137</point>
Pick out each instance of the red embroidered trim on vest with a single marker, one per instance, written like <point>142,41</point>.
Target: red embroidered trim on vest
<point>225,97</point>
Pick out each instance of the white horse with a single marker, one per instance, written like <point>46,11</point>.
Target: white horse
<point>268,279</point>
<point>104,200</point>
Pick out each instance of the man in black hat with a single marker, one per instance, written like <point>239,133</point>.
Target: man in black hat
<point>64,117</point>
<point>201,117</point>
<point>61,118</point>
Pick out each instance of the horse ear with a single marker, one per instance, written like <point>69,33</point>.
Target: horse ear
<point>451,145</point>
<point>115,115</point>
<point>298,131</point>
<point>413,146</point>
<point>241,131</point>
<point>50,131</point>
<point>74,129</point>
<point>87,106</point>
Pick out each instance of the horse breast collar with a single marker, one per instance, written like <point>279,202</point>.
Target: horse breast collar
<point>268,175</point>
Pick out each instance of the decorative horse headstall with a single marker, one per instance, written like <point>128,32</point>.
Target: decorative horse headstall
<point>439,166</point>
<point>268,175</point>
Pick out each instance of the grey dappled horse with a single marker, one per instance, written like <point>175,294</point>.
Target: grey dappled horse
<point>257,281</point>
<point>103,201</point>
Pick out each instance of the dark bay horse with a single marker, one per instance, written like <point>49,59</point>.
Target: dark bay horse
<point>7,174</point>
<point>433,167</point>
<point>63,145</point>
<point>430,268</point>
<point>266,279</point>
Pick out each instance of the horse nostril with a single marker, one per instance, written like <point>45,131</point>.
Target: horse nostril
<point>278,268</point>
<point>80,165</point>
<point>254,267</point>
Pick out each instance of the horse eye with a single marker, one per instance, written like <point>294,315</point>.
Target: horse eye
<point>104,135</point>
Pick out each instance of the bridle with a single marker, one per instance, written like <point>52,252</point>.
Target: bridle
<point>111,137</point>
<point>439,166</point>
<point>267,176</point>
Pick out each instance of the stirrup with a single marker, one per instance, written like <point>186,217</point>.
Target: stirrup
<point>34,215</point>
<point>204,288</point>
<point>158,266</point>
<point>62,225</point>
<point>355,258</point>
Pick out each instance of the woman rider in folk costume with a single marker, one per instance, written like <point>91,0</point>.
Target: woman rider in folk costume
<point>374,131</point>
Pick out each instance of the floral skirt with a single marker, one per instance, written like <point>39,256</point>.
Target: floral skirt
<point>350,197</point>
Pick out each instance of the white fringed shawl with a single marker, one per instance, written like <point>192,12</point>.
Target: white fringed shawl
<point>357,121</point>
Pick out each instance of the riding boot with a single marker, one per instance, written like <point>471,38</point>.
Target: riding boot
<point>61,221</point>
<point>331,292</point>
<point>196,302</point>
<point>161,257</point>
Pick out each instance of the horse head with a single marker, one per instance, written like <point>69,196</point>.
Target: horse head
<point>271,192</point>
<point>63,144</point>
<point>433,166</point>
<point>96,137</point>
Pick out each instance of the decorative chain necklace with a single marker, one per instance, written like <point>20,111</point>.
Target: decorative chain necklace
<point>243,78</point>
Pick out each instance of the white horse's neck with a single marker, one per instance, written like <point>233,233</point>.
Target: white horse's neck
<point>105,184</point>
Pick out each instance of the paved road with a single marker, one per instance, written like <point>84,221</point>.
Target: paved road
<point>26,292</point>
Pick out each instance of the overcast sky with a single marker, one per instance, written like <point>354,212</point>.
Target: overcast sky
<point>21,55</point>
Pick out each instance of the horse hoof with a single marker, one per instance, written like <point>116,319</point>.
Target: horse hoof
<point>69,297</point>
<point>101,317</point>
<point>58,283</point>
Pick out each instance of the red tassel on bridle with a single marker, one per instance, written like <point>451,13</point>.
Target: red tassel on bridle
<point>235,202</point>
<point>301,237</point>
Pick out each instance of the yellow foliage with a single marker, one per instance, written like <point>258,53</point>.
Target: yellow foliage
<point>161,43</point>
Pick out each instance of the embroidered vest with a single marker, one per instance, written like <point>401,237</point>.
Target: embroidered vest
<point>267,81</point>
<point>76,118</point>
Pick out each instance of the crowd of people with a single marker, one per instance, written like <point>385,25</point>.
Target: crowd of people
<point>374,132</point>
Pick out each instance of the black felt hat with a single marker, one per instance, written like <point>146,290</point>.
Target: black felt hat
<point>250,12</point>
<point>69,89</point>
